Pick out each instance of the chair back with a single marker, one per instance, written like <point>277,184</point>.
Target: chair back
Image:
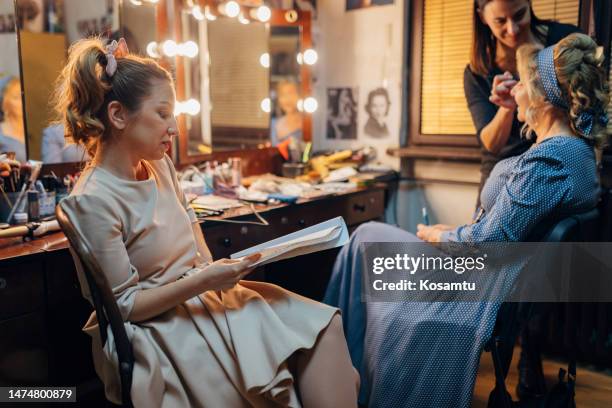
<point>581,227</point>
<point>107,310</point>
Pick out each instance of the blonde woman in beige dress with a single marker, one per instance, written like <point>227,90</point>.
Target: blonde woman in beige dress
<point>201,336</point>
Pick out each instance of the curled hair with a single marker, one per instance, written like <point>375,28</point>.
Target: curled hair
<point>84,90</point>
<point>578,66</point>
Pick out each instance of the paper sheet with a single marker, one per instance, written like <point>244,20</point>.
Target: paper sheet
<point>326,235</point>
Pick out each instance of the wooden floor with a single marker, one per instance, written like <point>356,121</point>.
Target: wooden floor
<point>593,388</point>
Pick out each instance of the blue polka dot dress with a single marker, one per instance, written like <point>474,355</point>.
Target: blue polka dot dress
<point>419,354</point>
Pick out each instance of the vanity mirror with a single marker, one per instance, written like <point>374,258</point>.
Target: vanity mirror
<point>12,133</point>
<point>242,69</point>
<point>46,29</point>
<point>248,87</point>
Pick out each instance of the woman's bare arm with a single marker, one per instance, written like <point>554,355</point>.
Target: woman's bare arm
<point>495,135</point>
<point>220,275</point>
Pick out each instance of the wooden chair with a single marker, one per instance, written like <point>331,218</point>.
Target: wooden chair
<point>107,311</point>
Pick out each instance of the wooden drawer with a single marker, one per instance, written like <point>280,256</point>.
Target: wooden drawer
<point>225,239</point>
<point>23,360</point>
<point>294,218</point>
<point>62,282</point>
<point>367,206</point>
<point>21,289</point>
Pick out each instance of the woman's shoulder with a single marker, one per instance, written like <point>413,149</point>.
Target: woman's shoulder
<point>93,182</point>
<point>559,151</point>
<point>557,31</point>
<point>92,193</point>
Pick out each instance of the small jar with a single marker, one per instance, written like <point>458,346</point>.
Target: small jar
<point>33,205</point>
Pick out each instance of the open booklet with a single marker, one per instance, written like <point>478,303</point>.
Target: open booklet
<point>326,235</point>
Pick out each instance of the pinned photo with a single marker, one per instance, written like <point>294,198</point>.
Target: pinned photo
<point>377,107</point>
<point>342,113</point>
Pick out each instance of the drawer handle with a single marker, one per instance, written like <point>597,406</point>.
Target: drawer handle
<point>301,223</point>
<point>227,242</point>
<point>2,283</point>
<point>359,207</point>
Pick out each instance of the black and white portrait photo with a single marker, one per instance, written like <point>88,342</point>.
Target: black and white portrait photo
<point>342,113</point>
<point>359,4</point>
<point>377,107</point>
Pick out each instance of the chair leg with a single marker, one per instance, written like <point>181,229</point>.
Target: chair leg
<point>499,397</point>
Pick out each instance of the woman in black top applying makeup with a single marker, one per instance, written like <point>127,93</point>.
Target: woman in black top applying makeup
<point>499,28</point>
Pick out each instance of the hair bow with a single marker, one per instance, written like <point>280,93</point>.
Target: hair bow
<point>587,119</point>
<point>115,50</point>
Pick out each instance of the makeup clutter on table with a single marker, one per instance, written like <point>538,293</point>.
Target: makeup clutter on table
<point>28,198</point>
<point>213,187</point>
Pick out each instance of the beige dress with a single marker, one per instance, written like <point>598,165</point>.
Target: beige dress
<point>211,351</point>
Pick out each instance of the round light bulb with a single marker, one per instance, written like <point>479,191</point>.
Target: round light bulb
<point>232,9</point>
<point>189,49</point>
<point>310,56</point>
<point>191,107</point>
<point>178,108</point>
<point>208,14</point>
<point>263,13</point>
<point>299,58</point>
<point>310,104</point>
<point>170,48</point>
<point>264,60</point>
<point>152,50</point>
<point>196,12</point>
<point>136,2</point>
<point>266,105</point>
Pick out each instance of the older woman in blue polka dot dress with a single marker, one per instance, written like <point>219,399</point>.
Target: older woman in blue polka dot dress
<point>426,354</point>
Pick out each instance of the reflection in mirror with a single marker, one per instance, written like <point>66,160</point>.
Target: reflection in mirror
<point>53,27</point>
<point>238,85</point>
<point>12,134</point>
<point>286,116</point>
<point>197,122</point>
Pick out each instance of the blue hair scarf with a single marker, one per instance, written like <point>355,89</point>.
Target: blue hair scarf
<point>550,83</point>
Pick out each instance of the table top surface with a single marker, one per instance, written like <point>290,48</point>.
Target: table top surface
<point>15,247</point>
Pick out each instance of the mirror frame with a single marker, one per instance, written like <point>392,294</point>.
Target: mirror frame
<point>173,29</point>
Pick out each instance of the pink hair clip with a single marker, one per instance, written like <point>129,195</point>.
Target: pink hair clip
<point>115,50</point>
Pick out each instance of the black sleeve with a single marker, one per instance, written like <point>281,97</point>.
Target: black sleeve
<point>477,94</point>
<point>558,31</point>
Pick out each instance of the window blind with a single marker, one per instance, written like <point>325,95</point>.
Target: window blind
<point>447,35</point>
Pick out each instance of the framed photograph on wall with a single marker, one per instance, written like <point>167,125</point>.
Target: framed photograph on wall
<point>342,113</point>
